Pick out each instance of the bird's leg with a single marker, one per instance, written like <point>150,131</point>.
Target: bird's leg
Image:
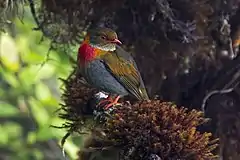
<point>107,100</point>
<point>113,103</point>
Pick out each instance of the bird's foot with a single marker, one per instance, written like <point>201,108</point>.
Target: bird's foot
<point>105,108</point>
<point>105,101</point>
<point>109,102</point>
<point>111,105</point>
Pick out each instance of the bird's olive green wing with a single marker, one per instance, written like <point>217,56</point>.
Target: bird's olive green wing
<point>124,69</point>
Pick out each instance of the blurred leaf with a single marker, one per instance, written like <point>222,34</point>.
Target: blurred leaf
<point>9,132</point>
<point>45,71</point>
<point>42,92</point>
<point>33,73</point>
<point>71,149</point>
<point>45,133</point>
<point>9,78</point>
<point>32,57</point>
<point>37,154</point>
<point>14,131</point>
<point>27,83</point>
<point>8,53</point>
<point>27,77</point>
<point>39,112</point>
<point>31,138</point>
<point>7,110</point>
<point>3,136</point>
<point>22,45</point>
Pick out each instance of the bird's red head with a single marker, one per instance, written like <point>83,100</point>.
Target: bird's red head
<point>98,42</point>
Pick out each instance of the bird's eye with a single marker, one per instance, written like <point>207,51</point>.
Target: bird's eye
<point>103,37</point>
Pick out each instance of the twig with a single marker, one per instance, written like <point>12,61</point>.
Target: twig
<point>33,11</point>
<point>223,91</point>
<point>63,142</point>
<point>235,78</point>
<point>233,54</point>
<point>55,148</point>
<point>46,59</point>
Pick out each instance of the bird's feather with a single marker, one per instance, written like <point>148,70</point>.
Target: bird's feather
<point>122,66</point>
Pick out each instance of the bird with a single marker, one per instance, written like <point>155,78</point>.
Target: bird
<point>105,65</point>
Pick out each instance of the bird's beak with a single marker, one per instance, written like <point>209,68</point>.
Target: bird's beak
<point>116,41</point>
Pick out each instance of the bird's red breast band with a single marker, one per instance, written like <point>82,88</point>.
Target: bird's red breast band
<point>87,53</point>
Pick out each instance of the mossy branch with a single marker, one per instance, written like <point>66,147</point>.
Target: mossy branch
<point>135,131</point>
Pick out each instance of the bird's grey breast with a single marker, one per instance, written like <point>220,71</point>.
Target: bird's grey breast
<point>98,75</point>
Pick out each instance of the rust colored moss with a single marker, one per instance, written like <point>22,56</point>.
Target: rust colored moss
<point>77,98</point>
<point>162,129</point>
<point>136,131</point>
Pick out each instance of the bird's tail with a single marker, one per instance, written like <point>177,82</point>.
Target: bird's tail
<point>143,94</point>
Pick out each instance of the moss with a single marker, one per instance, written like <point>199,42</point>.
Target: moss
<point>159,128</point>
<point>177,33</point>
<point>134,131</point>
<point>9,9</point>
<point>77,102</point>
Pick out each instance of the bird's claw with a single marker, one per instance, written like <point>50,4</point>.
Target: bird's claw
<point>111,105</point>
<point>105,101</point>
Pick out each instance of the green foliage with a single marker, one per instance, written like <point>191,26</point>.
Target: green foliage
<point>30,94</point>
